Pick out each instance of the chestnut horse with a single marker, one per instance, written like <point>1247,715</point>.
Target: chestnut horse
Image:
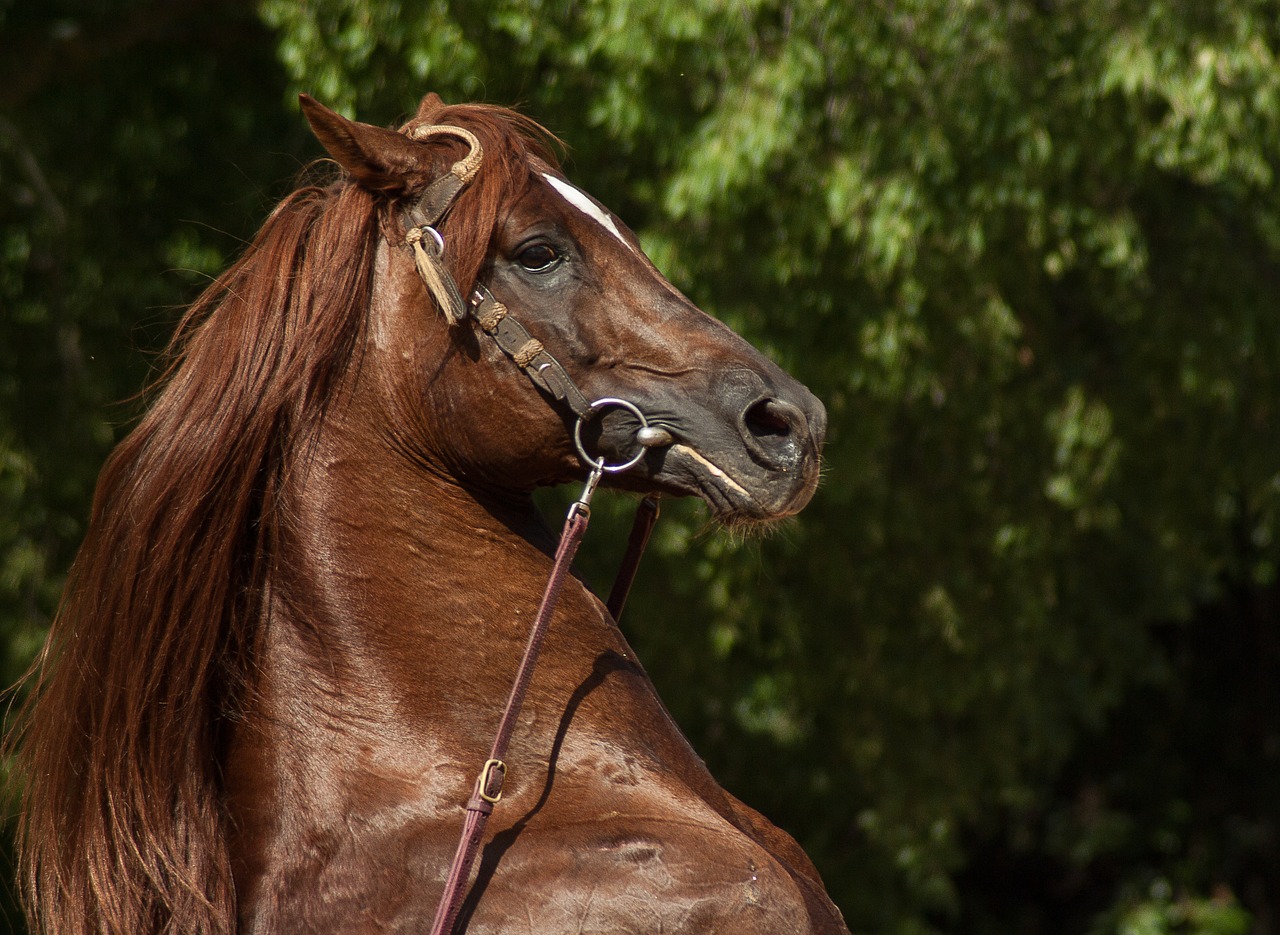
<point>310,570</point>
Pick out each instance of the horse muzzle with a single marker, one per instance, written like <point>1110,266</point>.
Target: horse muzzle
<point>749,445</point>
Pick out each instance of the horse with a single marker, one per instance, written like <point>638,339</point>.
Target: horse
<point>310,568</point>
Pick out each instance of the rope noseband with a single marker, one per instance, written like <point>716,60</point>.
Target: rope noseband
<point>548,375</point>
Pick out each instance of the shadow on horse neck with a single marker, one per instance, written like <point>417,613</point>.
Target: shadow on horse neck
<point>310,570</point>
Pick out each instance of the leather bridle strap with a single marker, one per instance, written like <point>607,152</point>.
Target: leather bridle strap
<point>641,529</point>
<point>488,787</point>
<point>550,376</point>
<point>423,236</point>
<point>425,215</point>
<point>527,352</point>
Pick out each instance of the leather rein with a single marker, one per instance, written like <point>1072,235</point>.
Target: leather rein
<point>423,220</point>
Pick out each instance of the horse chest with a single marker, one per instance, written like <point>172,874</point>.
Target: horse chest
<point>655,876</point>
<point>657,861</point>
<point>610,883</point>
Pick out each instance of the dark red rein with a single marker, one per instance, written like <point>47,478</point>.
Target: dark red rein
<point>488,787</point>
<point>548,375</point>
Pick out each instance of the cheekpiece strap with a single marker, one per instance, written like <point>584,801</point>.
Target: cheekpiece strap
<point>547,373</point>
<point>425,216</point>
<point>423,235</point>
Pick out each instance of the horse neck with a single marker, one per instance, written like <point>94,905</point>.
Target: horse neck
<point>392,581</point>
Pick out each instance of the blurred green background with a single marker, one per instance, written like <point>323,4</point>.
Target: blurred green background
<point>1017,668</point>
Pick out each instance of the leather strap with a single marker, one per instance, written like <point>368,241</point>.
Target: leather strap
<point>547,373</point>
<point>430,209</point>
<point>641,529</point>
<point>423,218</point>
<point>488,787</point>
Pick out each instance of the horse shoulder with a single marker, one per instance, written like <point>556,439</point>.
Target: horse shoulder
<point>627,831</point>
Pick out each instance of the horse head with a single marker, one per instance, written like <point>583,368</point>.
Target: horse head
<point>733,427</point>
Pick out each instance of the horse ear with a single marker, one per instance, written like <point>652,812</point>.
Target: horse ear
<point>429,105</point>
<point>379,160</point>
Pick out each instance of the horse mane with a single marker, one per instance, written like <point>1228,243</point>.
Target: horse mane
<point>119,743</point>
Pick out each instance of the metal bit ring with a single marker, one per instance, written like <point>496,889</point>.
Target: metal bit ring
<point>598,464</point>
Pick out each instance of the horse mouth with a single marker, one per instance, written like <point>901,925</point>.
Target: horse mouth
<point>735,500</point>
<point>751,455</point>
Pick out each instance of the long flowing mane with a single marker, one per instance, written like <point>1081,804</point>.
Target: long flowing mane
<point>120,742</point>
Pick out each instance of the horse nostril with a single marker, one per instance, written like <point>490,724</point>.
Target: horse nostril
<point>770,418</point>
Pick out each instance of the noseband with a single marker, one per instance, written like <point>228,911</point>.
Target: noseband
<point>422,221</point>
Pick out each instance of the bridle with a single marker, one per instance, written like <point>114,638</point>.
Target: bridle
<point>422,222</point>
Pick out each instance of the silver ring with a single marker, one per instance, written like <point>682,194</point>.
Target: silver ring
<point>435,235</point>
<point>597,464</point>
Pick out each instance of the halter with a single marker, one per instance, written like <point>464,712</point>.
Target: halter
<point>548,375</point>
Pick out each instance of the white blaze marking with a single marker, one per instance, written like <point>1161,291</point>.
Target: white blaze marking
<point>579,200</point>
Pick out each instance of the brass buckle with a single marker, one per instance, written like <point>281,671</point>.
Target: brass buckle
<point>485,774</point>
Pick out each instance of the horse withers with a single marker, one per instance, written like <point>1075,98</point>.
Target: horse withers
<point>310,570</point>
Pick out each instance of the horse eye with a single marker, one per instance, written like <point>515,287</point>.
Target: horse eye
<point>538,258</point>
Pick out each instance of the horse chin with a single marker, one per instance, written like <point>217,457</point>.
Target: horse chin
<point>737,499</point>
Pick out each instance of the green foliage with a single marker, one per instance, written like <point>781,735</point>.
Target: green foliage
<point>1028,255</point>
<point>1163,914</point>
<point>124,183</point>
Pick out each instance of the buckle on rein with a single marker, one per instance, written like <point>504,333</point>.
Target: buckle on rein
<point>486,779</point>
